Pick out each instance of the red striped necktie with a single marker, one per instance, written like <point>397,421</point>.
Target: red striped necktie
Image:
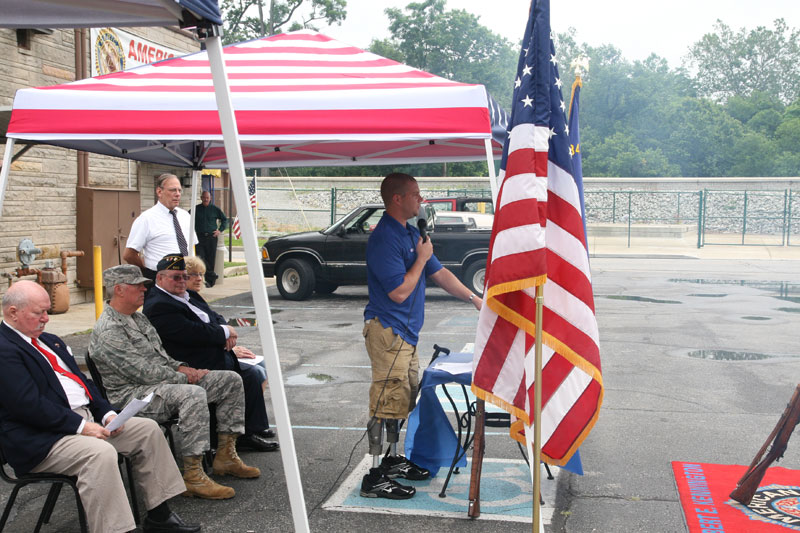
<point>54,363</point>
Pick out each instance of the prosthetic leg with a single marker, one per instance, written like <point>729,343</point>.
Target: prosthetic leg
<point>392,435</point>
<point>376,484</point>
<point>375,434</point>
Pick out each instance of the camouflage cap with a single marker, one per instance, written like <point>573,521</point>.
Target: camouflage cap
<point>171,262</point>
<point>128,274</point>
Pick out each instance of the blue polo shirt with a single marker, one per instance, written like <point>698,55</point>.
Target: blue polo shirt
<point>391,251</point>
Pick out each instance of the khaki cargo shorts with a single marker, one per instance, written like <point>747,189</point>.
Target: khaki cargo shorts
<point>395,372</point>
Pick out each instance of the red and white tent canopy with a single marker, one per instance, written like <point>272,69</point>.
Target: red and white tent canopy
<point>301,99</point>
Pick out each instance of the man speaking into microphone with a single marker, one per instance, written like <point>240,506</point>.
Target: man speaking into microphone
<point>399,259</point>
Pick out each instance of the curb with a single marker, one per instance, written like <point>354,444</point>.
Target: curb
<point>235,271</point>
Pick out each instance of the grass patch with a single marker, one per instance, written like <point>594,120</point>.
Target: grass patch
<point>238,242</point>
<point>234,263</point>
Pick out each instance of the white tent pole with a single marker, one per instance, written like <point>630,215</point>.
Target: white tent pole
<point>233,151</point>
<point>492,175</point>
<point>9,153</point>
<point>195,179</point>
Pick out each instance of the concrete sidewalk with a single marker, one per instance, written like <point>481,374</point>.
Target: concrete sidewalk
<point>81,317</point>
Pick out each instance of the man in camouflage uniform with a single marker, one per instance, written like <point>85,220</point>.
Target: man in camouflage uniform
<point>128,353</point>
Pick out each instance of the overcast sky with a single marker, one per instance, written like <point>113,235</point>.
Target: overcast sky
<point>637,27</point>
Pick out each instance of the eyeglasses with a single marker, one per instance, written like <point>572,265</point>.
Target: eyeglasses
<point>196,275</point>
<point>178,277</point>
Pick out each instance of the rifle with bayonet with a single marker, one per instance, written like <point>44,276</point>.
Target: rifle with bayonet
<point>478,449</point>
<point>776,442</point>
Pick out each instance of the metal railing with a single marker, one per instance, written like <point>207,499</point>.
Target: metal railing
<point>716,217</point>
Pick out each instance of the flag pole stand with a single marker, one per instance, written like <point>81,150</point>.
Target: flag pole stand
<point>537,416</point>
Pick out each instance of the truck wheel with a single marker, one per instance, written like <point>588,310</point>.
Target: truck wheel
<point>324,287</point>
<point>474,277</point>
<point>295,279</point>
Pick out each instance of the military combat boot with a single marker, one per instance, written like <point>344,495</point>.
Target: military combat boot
<point>198,483</point>
<point>227,460</point>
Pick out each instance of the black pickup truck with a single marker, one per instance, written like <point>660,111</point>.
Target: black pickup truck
<point>323,260</point>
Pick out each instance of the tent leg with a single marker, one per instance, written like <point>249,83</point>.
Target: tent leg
<point>233,151</point>
<point>5,170</point>
<point>195,179</point>
<point>492,176</point>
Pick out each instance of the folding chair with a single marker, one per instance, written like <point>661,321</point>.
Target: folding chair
<point>56,481</point>
<point>98,381</point>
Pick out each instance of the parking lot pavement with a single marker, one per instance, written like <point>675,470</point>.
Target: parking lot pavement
<point>699,358</point>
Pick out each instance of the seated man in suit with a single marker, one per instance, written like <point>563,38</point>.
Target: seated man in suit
<point>129,355</point>
<point>192,332</point>
<point>49,414</point>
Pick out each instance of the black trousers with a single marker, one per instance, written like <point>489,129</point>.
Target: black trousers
<point>207,251</point>
<point>255,411</point>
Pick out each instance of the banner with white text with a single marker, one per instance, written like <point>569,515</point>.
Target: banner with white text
<point>114,50</point>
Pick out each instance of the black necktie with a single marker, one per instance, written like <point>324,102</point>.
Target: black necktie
<point>179,234</point>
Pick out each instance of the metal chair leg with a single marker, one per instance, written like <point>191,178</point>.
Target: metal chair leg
<point>11,499</point>
<point>132,486</point>
<point>49,505</point>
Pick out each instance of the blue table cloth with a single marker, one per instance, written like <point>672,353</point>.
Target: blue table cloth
<point>430,439</point>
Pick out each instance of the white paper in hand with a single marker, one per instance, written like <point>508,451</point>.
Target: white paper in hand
<point>130,410</point>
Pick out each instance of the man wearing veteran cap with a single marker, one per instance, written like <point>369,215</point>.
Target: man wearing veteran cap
<point>191,331</point>
<point>130,357</point>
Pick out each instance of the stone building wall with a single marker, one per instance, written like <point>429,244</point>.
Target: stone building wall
<point>40,201</point>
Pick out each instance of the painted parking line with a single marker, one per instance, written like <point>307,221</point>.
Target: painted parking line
<point>506,491</point>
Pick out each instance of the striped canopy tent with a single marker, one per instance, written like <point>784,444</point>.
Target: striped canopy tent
<point>301,99</point>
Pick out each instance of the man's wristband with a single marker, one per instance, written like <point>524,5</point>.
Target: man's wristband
<point>471,296</point>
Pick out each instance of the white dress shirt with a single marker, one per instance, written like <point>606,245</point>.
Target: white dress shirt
<point>153,233</point>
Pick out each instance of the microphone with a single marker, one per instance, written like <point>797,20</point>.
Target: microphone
<point>422,224</point>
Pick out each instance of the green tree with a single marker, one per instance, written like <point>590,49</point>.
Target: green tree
<point>787,136</point>
<point>744,107</point>
<point>755,155</point>
<point>700,137</point>
<point>619,155</point>
<point>732,63</point>
<point>249,19</point>
<point>451,44</point>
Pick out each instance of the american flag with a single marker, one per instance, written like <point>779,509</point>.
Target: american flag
<point>538,238</point>
<point>235,228</point>
<point>251,192</point>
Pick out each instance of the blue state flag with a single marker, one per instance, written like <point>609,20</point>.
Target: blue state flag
<point>575,150</point>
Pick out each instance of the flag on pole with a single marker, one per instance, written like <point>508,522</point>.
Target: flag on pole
<point>575,146</point>
<point>538,238</point>
<point>235,228</point>
<point>251,193</point>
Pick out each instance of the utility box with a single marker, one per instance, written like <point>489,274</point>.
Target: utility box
<point>105,217</point>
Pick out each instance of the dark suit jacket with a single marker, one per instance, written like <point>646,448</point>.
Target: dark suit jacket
<point>186,337</point>
<point>34,410</point>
